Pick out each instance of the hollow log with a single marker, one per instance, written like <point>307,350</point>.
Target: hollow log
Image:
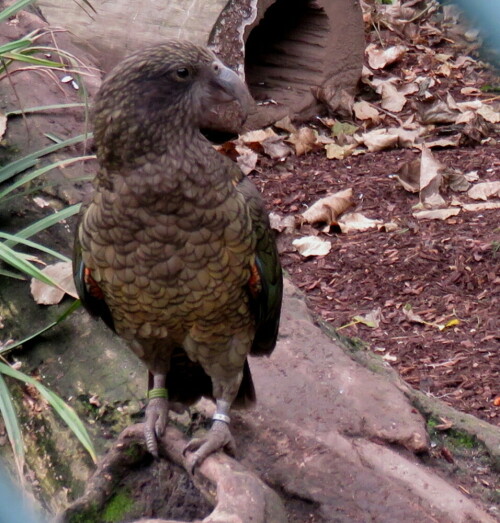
<point>297,56</point>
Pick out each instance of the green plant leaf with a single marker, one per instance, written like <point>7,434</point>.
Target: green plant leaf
<point>14,8</point>
<point>10,274</point>
<point>33,60</point>
<point>12,426</point>
<point>42,170</point>
<point>43,186</point>
<point>74,306</point>
<point>43,108</point>
<point>16,44</point>
<point>44,223</point>
<point>34,245</point>
<point>18,261</point>
<point>18,166</point>
<point>68,415</point>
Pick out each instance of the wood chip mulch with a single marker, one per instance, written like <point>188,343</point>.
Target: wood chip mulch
<point>445,270</point>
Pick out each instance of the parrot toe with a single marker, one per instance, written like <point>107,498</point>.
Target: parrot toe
<point>218,437</point>
<point>155,423</point>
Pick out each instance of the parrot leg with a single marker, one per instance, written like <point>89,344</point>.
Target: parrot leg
<point>156,413</point>
<point>218,437</point>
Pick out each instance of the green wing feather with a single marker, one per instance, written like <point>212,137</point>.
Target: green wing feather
<point>95,305</point>
<point>266,306</point>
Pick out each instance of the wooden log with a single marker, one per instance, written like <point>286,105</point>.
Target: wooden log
<point>298,56</point>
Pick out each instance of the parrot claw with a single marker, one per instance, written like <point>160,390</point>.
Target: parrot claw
<point>218,437</point>
<point>155,423</point>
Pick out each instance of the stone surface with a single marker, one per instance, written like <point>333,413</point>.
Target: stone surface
<point>347,456</point>
<point>323,379</point>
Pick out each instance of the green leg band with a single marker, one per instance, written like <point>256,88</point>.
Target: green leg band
<point>158,393</point>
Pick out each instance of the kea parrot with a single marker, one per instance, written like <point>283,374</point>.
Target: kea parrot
<point>174,250</point>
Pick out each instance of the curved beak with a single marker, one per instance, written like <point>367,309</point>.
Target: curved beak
<point>229,87</point>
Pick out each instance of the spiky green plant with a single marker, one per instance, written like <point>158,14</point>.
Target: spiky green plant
<point>17,180</point>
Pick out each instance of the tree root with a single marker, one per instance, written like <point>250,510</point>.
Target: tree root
<point>236,493</point>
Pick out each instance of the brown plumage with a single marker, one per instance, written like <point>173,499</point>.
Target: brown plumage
<point>174,251</point>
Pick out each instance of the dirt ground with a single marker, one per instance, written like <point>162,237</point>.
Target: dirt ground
<point>444,269</point>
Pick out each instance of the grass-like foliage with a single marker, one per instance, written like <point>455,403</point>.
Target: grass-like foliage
<point>18,179</point>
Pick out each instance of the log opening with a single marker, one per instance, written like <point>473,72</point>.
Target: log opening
<point>284,53</point>
<point>298,56</point>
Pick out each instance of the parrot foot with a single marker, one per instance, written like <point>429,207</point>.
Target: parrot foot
<point>218,437</point>
<point>155,423</point>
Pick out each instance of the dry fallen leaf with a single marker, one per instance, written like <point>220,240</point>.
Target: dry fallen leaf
<point>286,125</point>
<point>474,207</point>
<point>484,190</point>
<point>388,227</point>
<point>471,176</point>
<point>470,105</point>
<point>257,136</point>
<point>304,140</point>
<point>62,274</point>
<point>412,316</point>
<point>356,221</point>
<point>449,141</point>
<point>312,246</point>
<point>431,177</point>
<point>271,143</point>
<point>3,125</point>
<point>437,214</point>
<point>392,99</point>
<point>456,180</point>
<point>247,159</point>
<point>489,114</point>
<point>378,140</point>
<point>426,175</point>
<point>372,319</point>
<point>409,175</point>
<point>338,101</point>
<point>466,117</point>
<point>380,58</point>
<point>282,223</point>
<point>436,112</point>
<point>468,91</point>
<point>366,111</point>
<point>408,138</point>
<point>275,148</point>
<point>329,208</point>
<point>477,130</point>
<point>338,152</point>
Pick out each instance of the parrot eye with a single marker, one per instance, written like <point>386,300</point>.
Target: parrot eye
<point>182,73</point>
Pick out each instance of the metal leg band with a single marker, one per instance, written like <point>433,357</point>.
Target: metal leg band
<point>221,417</point>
